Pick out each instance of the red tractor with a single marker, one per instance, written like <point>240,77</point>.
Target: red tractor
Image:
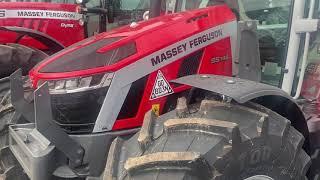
<point>84,104</point>
<point>31,31</point>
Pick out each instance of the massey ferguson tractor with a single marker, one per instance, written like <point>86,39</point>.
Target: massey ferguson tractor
<point>31,31</point>
<point>156,99</point>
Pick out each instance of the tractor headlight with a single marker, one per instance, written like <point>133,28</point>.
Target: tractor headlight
<point>76,102</point>
<point>79,84</point>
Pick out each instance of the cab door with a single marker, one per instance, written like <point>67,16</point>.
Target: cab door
<point>273,27</point>
<point>302,45</point>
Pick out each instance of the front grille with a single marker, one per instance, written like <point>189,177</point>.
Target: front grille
<point>77,112</point>
<point>131,104</point>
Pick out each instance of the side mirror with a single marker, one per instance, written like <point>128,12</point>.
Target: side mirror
<point>155,8</point>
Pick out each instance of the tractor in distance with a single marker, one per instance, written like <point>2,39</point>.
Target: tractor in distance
<point>31,31</point>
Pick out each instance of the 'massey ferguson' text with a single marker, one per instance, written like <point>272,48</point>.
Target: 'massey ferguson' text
<point>185,46</point>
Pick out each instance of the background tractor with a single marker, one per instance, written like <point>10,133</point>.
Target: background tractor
<point>31,31</point>
<point>194,126</point>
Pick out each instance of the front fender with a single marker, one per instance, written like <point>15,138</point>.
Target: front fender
<point>45,39</point>
<point>243,91</point>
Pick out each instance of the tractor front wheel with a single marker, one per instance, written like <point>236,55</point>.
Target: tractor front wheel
<point>10,169</point>
<point>211,140</point>
<point>14,56</point>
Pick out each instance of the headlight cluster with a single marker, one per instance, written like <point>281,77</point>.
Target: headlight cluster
<point>79,84</point>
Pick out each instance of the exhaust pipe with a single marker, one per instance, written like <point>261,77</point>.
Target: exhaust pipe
<point>155,8</point>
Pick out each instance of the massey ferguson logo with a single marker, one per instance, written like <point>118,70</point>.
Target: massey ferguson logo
<point>186,46</point>
<point>48,14</point>
<point>39,14</point>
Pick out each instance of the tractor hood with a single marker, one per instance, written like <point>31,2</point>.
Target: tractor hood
<point>81,76</point>
<point>112,51</point>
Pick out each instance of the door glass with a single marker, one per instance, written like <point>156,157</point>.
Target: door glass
<point>128,11</point>
<point>183,5</point>
<point>273,18</point>
<point>93,18</point>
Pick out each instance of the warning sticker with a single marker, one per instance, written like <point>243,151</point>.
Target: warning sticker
<point>156,109</point>
<point>161,87</point>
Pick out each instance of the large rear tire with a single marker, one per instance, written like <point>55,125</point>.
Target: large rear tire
<point>14,56</point>
<point>210,140</point>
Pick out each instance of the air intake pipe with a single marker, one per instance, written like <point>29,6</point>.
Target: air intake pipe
<point>155,8</point>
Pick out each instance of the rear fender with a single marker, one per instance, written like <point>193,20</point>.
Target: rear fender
<point>243,91</point>
<point>45,39</point>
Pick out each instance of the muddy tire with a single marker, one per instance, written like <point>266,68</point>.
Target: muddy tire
<point>9,167</point>
<point>314,172</point>
<point>210,140</point>
<point>4,89</point>
<point>14,56</point>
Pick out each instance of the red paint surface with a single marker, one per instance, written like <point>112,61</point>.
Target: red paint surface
<point>51,27</point>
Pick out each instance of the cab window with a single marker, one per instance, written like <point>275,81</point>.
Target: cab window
<point>273,18</point>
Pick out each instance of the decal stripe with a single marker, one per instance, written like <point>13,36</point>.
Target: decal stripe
<point>125,76</point>
<point>144,66</point>
<point>39,14</point>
